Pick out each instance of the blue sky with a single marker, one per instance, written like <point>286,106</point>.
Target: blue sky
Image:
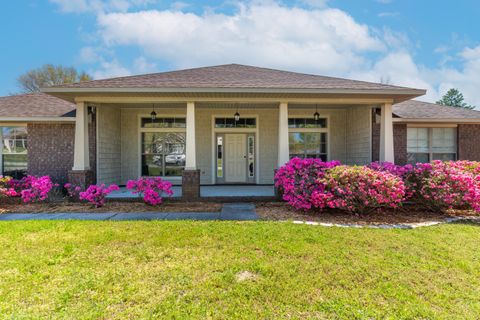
<point>426,44</point>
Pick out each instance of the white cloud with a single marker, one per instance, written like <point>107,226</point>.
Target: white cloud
<point>268,34</point>
<point>388,14</point>
<point>314,39</point>
<point>81,6</point>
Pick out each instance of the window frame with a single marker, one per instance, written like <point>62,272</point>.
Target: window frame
<point>430,151</point>
<point>11,125</point>
<point>311,130</point>
<point>142,130</point>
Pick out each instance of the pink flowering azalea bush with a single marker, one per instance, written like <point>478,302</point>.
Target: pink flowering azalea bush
<point>300,179</point>
<point>96,194</point>
<point>6,188</point>
<point>31,188</point>
<point>151,189</point>
<point>360,189</point>
<point>445,185</point>
<point>73,191</point>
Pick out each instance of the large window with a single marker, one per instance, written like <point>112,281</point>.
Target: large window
<point>163,147</point>
<point>13,156</point>
<point>308,138</point>
<point>427,144</point>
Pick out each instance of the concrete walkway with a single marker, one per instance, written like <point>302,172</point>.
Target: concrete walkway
<point>230,211</point>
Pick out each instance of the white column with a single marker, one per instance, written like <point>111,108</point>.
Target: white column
<point>81,154</point>
<point>190,154</point>
<point>283,152</point>
<point>386,134</point>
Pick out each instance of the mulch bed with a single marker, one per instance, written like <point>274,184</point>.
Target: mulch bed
<point>408,214</point>
<point>121,206</point>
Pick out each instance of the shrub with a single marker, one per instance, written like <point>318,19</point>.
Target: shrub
<point>31,188</point>
<point>151,189</point>
<point>6,189</point>
<point>445,185</point>
<point>73,191</point>
<point>360,189</point>
<point>96,194</point>
<point>298,179</point>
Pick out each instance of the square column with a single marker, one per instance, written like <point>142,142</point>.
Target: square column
<point>283,146</point>
<point>386,134</point>
<point>81,175</point>
<point>81,152</point>
<point>190,153</point>
<point>191,175</point>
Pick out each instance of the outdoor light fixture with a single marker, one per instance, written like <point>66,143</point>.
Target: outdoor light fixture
<point>153,114</point>
<point>237,115</point>
<point>316,115</point>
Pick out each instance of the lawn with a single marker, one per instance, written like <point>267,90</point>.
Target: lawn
<point>232,270</point>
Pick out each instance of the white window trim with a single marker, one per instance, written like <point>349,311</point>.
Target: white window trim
<point>2,125</point>
<point>235,130</point>
<point>142,130</point>
<point>315,130</point>
<point>430,140</point>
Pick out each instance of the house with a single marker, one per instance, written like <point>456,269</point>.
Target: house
<point>227,124</point>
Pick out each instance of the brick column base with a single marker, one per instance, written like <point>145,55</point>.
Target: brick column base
<point>81,178</point>
<point>190,185</point>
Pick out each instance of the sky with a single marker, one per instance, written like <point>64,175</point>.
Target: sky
<point>433,45</point>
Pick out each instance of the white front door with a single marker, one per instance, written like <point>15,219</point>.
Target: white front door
<point>235,158</point>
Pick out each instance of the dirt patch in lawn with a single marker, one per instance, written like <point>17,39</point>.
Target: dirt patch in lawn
<point>111,207</point>
<point>408,214</point>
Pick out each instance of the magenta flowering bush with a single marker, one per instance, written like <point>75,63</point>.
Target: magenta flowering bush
<point>96,194</point>
<point>446,185</point>
<point>359,189</point>
<point>31,188</point>
<point>299,179</point>
<point>151,189</point>
<point>6,188</point>
<point>73,191</point>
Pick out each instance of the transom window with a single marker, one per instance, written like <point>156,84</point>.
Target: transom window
<point>308,138</point>
<point>164,123</point>
<point>13,156</point>
<point>427,144</point>
<point>231,123</point>
<point>163,146</point>
<point>307,123</point>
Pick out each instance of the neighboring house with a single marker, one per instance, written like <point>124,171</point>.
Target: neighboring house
<point>223,124</point>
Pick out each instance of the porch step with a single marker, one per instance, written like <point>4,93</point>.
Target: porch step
<point>238,211</point>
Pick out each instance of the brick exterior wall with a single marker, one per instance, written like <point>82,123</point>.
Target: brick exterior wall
<point>399,142</point>
<point>50,149</point>
<point>468,146</point>
<point>190,184</point>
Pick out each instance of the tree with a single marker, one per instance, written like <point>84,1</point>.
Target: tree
<point>454,98</point>
<point>49,75</point>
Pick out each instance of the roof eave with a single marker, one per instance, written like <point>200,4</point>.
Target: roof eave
<point>437,120</point>
<point>406,91</point>
<point>37,119</point>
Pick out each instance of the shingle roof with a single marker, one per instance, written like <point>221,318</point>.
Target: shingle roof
<point>35,105</point>
<point>231,76</point>
<point>414,109</point>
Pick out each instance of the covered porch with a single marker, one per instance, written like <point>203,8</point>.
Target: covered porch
<point>221,147</point>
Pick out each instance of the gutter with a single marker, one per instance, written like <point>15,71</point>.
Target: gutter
<point>436,120</point>
<point>37,119</point>
<point>416,92</point>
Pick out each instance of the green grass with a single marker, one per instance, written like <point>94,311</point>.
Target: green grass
<point>187,270</point>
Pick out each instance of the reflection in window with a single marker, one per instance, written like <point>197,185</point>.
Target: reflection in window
<point>170,122</point>
<point>231,123</point>
<point>307,123</point>
<point>14,151</point>
<point>308,145</point>
<point>219,157</point>
<point>427,144</point>
<point>251,156</point>
<point>163,153</point>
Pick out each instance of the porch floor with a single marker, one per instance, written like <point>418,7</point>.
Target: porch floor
<point>220,191</point>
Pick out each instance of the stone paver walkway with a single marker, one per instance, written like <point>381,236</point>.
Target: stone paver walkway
<point>230,211</point>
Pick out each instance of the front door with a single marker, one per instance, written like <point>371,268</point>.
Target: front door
<point>235,158</point>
